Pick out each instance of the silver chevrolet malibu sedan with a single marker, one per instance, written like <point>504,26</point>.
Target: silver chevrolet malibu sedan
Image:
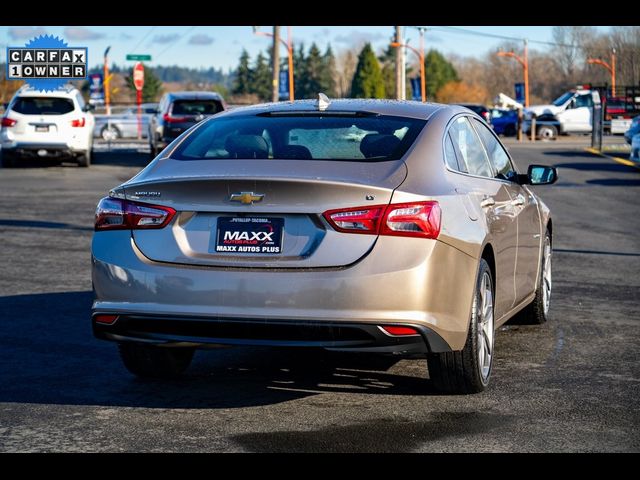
<point>362,225</point>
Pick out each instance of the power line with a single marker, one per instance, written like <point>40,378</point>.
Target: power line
<point>467,31</point>
<point>143,39</point>
<point>174,43</point>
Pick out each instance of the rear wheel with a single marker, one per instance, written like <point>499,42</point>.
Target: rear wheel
<point>536,313</point>
<point>469,370</point>
<point>84,160</point>
<point>547,132</point>
<point>110,133</point>
<point>149,361</point>
<point>153,149</point>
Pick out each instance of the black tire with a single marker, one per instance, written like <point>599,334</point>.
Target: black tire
<point>510,131</point>
<point>84,160</point>
<point>461,372</point>
<point>547,132</point>
<point>115,133</point>
<point>537,312</point>
<point>149,361</point>
<point>8,160</point>
<point>153,150</point>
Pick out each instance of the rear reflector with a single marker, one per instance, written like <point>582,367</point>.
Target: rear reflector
<point>106,319</point>
<point>399,331</point>
<point>118,214</point>
<point>418,219</point>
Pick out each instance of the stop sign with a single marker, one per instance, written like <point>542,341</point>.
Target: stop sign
<point>138,76</point>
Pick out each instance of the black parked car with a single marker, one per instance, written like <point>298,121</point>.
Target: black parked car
<point>177,112</point>
<point>479,109</point>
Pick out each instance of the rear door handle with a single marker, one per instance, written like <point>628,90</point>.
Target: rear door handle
<point>487,202</point>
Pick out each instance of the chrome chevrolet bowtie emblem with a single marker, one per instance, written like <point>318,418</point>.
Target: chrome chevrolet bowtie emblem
<point>246,197</point>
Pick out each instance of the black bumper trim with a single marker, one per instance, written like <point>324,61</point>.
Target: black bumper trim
<point>202,331</point>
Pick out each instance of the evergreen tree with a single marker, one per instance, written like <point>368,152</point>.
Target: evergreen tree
<point>328,73</point>
<point>261,78</point>
<point>299,72</point>
<point>242,82</point>
<point>152,87</point>
<point>439,72</point>
<point>388,61</point>
<point>312,73</point>
<point>367,81</point>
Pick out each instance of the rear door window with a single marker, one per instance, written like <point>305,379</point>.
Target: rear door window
<point>450,154</point>
<point>43,105</point>
<point>470,148</point>
<point>497,154</point>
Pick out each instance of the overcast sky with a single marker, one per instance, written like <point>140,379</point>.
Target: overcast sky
<point>220,47</point>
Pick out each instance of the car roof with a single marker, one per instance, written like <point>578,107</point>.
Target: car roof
<point>400,108</point>
<point>195,95</point>
<point>26,91</point>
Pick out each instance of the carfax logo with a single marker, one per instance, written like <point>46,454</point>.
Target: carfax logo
<point>46,63</point>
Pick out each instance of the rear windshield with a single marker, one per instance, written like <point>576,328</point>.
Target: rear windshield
<point>319,136</point>
<point>196,107</point>
<point>42,105</point>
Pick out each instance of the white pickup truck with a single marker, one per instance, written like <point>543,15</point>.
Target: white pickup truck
<point>569,113</point>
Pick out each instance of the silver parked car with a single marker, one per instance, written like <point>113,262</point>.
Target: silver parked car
<point>124,124</point>
<point>361,225</point>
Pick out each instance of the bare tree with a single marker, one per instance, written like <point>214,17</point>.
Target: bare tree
<point>569,56</point>
<point>346,62</point>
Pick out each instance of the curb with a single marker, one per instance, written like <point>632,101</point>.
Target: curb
<point>623,161</point>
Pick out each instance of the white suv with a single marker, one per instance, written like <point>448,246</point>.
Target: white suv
<point>51,125</point>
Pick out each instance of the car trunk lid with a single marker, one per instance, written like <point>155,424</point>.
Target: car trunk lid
<point>241,198</point>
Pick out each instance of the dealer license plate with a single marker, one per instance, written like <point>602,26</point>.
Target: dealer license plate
<point>246,235</point>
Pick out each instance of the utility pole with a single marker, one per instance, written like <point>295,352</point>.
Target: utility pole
<point>276,64</point>
<point>400,90</point>
<point>526,72</point>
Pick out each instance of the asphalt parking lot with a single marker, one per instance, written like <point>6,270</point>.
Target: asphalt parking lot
<point>570,385</point>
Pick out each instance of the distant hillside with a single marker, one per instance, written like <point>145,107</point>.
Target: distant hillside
<point>174,73</point>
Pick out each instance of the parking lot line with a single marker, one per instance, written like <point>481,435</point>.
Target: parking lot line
<point>623,161</point>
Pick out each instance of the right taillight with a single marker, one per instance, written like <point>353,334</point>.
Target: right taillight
<point>118,214</point>
<point>169,119</point>
<point>8,122</point>
<point>416,219</point>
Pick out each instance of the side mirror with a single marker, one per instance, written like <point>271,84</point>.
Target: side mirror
<point>539,175</point>
<point>5,105</point>
<point>88,107</point>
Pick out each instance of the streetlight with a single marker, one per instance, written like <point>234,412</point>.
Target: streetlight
<point>105,80</point>
<point>524,61</point>
<point>420,54</point>
<point>611,67</point>
<point>289,46</point>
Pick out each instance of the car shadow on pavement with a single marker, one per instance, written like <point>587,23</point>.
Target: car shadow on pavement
<point>596,167</point>
<point>49,355</point>
<point>392,434</point>
<point>122,158</point>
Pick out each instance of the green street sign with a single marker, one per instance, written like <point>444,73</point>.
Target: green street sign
<point>139,58</point>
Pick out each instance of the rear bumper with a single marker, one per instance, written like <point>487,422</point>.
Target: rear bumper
<point>41,150</point>
<point>391,285</point>
<point>200,332</point>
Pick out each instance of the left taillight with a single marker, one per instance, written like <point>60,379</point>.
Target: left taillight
<point>119,214</point>
<point>416,219</point>
<point>8,122</point>
<point>78,122</point>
